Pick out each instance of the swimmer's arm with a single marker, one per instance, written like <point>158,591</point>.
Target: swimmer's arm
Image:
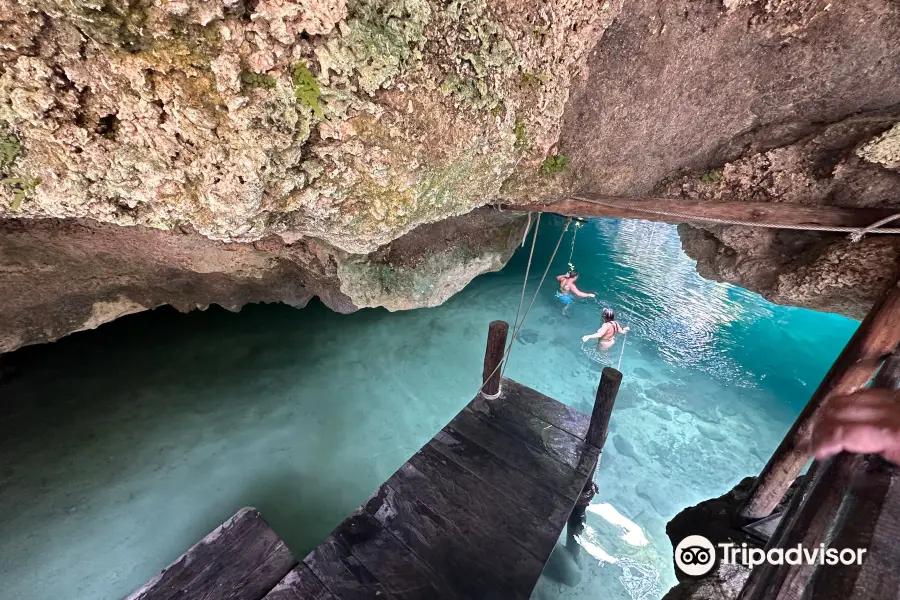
<point>578,292</point>
<point>594,336</point>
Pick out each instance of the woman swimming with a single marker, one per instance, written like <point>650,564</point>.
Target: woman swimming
<point>567,289</point>
<point>606,335</point>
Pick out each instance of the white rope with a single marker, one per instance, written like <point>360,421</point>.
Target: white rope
<point>572,251</point>
<point>527,229</point>
<point>622,353</point>
<point>527,310</point>
<point>537,226</point>
<point>855,233</point>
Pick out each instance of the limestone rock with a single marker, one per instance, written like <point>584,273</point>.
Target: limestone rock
<point>745,100</point>
<point>62,275</point>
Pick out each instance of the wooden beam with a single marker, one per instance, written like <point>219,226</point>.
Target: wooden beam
<point>242,559</point>
<point>769,212</point>
<point>877,337</point>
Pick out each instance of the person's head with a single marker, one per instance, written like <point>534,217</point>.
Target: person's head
<point>573,275</point>
<point>608,315</point>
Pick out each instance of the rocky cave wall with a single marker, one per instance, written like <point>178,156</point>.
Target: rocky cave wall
<point>790,101</point>
<point>232,151</point>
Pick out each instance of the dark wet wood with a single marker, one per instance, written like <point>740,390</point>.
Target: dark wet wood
<point>474,514</point>
<point>879,576</point>
<point>300,584</point>
<point>603,406</point>
<point>769,212</point>
<point>876,338</point>
<point>547,409</point>
<point>540,435</point>
<point>471,567</point>
<point>539,498</point>
<point>242,559</point>
<point>448,489</point>
<point>401,572</point>
<point>533,462</point>
<point>342,574</point>
<point>493,357</point>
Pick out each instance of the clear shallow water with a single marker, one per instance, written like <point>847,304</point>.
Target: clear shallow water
<point>121,447</point>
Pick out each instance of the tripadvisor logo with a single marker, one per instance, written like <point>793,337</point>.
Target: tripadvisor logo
<point>695,555</point>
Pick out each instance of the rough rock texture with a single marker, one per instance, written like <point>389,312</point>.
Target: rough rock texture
<point>350,129</point>
<point>62,275</point>
<point>714,519</point>
<point>339,125</point>
<point>775,101</point>
<point>349,122</point>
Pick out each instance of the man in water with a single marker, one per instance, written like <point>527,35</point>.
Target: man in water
<point>606,335</point>
<point>567,289</point>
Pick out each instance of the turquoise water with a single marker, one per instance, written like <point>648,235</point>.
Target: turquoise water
<point>121,447</point>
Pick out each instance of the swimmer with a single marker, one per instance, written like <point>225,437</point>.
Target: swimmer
<point>606,335</point>
<point>567,289</point>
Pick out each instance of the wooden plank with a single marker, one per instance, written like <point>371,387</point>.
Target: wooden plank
<point>400,571</point>
<point>242,559</point>
<point>603,406</point>
<point>880,577</point>
<point>877,336</point>
<point>862,509</point>
<point>532,462</point>
<point>342,574</point>
<point>299,584</point>
<point>538,498</point>
<point>546,408</point>
<point>476,562</point>
<point>465,502</point>
<point>760,212</point>
<point>550,440</point>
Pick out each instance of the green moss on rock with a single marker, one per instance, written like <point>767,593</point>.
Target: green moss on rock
<point>380,40</point>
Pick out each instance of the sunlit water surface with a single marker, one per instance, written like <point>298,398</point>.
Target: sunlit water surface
<point>121,447</point>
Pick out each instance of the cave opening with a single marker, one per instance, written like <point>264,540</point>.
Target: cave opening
<point>128,443</point>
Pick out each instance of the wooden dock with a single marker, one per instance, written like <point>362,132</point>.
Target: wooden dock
<point>474,514</point>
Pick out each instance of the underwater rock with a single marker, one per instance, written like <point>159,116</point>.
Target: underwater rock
<point>624,447</point>
<point>527,336</point>
<point>660,411</point>
<point>627,398</point>
<point>660,504</point>
<point>642,373</point>
<point>711,433</point>
<point>727,409</point>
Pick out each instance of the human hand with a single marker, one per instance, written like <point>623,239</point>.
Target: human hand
<point>864,422</point>
<point>585,338</point>
<point>625,330</point>
<point>592,295</point>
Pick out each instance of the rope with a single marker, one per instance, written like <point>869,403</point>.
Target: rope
<point>537,226</point>
<point>527,310</point>
<point>855,233</point>
<point>572,251</point>
<point>622,353</point>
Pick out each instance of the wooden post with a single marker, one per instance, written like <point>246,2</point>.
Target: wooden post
<point>603,406</point>
<point>841,498</point>
<point>493,358</point>
<point>876,337</point>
